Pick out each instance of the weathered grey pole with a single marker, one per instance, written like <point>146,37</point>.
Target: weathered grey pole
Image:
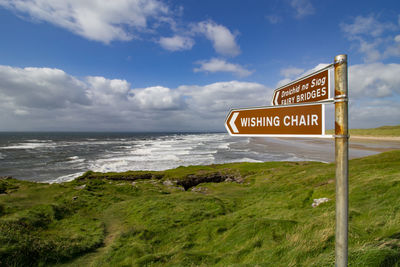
<point>341,159</point>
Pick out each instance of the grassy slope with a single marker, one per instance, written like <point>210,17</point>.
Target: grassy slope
<point>268,220</point>
<point>389,131</point>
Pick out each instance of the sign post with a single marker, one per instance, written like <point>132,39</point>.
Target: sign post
<point>341,160</point>
<point>288,118</point>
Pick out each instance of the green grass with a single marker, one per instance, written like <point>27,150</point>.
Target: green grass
<point>267,220</point>
<point>383,131</point>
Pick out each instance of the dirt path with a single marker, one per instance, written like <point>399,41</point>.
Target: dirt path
<point>113,229</point>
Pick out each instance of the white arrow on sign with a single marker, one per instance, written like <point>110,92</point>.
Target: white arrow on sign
<point>275,102</point>
<point>232,122</point>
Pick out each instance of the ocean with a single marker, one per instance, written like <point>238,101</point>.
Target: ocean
<point>61,157</point>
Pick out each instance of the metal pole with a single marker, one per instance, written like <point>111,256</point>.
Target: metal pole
<point>341,159</point>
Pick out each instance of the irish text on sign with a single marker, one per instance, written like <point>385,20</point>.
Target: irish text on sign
<point>298,120</point>
<point>312,88</point>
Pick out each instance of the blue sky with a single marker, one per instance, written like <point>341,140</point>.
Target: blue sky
<point>152,65</point>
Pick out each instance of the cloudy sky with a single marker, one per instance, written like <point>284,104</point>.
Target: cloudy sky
<point>155,65</point>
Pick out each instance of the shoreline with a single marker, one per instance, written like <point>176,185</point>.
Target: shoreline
<point>245,149</point>
<point>324,149</point>
<point>300,154</point>
<point>380,138</point>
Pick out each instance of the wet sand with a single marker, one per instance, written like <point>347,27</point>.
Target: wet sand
<point>324,149</point>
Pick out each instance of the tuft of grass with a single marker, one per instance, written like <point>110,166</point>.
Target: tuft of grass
<point>136,219</point>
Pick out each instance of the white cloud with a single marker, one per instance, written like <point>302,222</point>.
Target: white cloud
<point>370,50</point>
<point>220,65</point>
<point>102,91</point>
<point>176,43</point>
<point>50,99</point>
<point>394,49</point>
<point>302,8</point>
<point>210,104</point>
<point>374,80</point>
<point>370,114</point>
<point>375,39</point>
<point>367,26</point>
<point>224,42</point>
<point>21,112</point>
<point>291,72</point>
<point>157,98</point>
<point>316,68</point>
<point>283,82</point>
<point>41,87</point>
<point>114,86</point>
<point>103,21</point>
<point>124,20</point>
<point>273,19</point>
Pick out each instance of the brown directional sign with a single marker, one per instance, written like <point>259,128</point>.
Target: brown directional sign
<point>297,120</point>
<point>312,88</point>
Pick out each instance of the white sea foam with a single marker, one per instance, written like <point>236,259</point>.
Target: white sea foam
<point>85,143</point>
<point>39,141</point>
<point>244,160</point>
<point>148,153</point>
<point>223,146</point>
<point>64,178</point>
<point>30,145</point>
<point>160,154</point>
<point>75,159</point>
<point>292,157</point>
<point>125,147</point>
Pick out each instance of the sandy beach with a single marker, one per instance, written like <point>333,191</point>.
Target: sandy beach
<point>377,138</point>
<point>324,149</point>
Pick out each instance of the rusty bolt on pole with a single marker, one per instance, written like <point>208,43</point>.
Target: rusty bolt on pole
<point>341,160</point>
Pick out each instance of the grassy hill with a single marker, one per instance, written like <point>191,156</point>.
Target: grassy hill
<point>383,131</point>
<point>241,214</point>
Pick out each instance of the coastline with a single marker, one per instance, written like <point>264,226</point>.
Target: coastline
<point>324,149</point>
<point>379,138</point>
<point>61,158</point>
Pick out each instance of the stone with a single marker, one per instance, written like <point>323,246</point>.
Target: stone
<point>168,183</point>
<point>319,201</point>
<point>239,180</point>
<point>202,190</point>
<point>80,187</point>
